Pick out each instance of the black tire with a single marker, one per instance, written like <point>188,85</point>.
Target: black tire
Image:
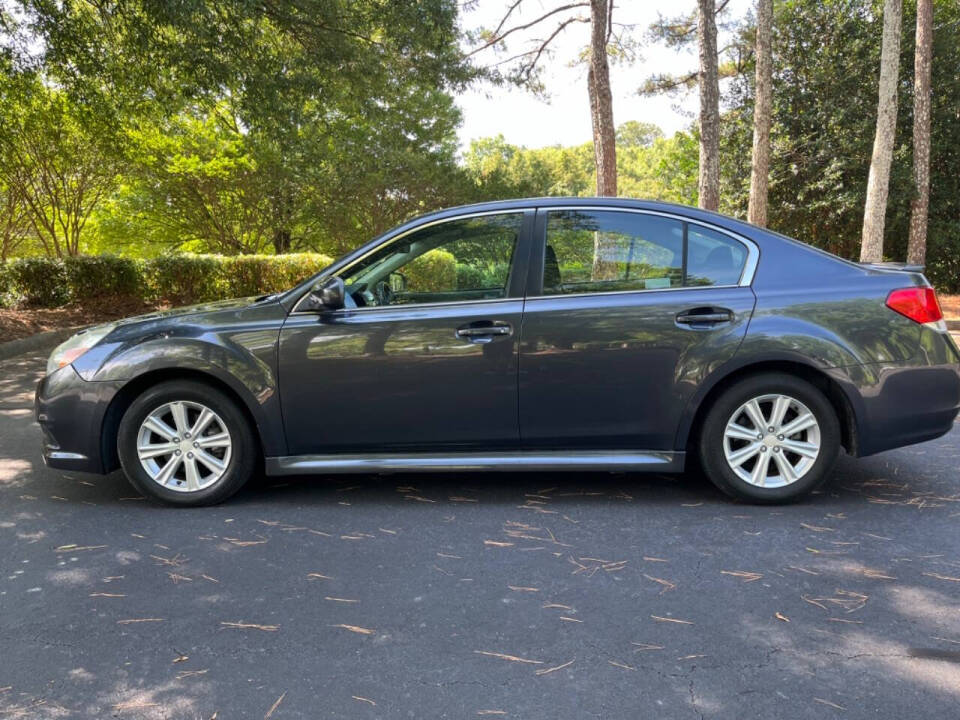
<point>243,451</point>
<point>711,439</point>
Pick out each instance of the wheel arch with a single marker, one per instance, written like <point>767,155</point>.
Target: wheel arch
<point>139,384</point>
<point>836,394</point>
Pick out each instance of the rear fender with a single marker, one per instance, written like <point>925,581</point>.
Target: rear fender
<point>778,360</point>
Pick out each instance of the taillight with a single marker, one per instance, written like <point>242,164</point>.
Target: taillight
<point>917,303</point>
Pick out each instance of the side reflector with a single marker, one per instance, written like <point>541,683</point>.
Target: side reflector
<point>917,303</point>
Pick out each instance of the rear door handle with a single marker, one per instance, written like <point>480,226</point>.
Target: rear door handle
<point>484,331</point>
<point>704,316</point>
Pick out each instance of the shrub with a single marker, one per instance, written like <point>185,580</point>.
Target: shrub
<point>471,277</point>
<point>182,279</point>
<point>434,271</point>
<point>39,281</point>
<point>259,274</point>
<point>176,279</point>
<point>6,287</point>
<point>90,276</point>
<point>944,274</point>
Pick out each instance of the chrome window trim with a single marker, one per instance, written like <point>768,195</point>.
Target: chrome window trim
<point>634,292</point>
<point>512,211</point>
<point>746,275</point>
<point>409,306</point>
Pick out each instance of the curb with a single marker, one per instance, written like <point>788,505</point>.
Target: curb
<point>40,341</point>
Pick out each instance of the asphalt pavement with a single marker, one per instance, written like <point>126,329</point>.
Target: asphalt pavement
<point>477,596</point>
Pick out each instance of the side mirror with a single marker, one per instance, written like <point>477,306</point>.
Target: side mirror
<point>329,294</point>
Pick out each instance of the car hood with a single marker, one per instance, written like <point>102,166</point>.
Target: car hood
<point>198,309</point>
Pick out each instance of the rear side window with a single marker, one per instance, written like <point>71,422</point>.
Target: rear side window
<point>713,258</point>
<point>602,251</point>
<point>592,251</point>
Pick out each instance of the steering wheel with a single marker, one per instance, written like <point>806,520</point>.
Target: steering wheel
<point>383,293</point>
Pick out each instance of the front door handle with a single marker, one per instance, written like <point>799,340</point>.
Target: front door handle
<point>704,316</point>
<point>484,331</point>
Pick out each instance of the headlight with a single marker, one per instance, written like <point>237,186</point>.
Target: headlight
<point>67,352</point>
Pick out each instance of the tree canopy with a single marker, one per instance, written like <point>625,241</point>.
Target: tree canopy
<point>146,127</point>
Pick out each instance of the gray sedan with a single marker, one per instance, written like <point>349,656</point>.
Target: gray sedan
<point>544,334</point>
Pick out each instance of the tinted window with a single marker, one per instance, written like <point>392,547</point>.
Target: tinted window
<point>713,258</point>
<point>458,260</point>
<point>604,251</point>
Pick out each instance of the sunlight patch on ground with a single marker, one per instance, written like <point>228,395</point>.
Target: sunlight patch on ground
<point>12,471</point>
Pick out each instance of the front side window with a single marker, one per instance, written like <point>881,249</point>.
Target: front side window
<point>452,261</point>
<point>591,251</point>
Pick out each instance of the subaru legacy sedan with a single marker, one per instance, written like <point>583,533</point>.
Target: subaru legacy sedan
<point>550,334</point>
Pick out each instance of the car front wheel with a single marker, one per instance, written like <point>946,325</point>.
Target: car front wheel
<point>186,443</point>
<point>769,438</point>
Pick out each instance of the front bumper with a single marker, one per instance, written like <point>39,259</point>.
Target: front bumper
<point>71,413</point>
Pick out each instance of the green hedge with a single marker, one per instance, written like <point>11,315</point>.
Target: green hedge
<point>175,279</point>
<point>944,274</point>
<point>434,271</point>
<point>6,286</point>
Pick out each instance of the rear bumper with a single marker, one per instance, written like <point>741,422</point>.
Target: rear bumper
<point>898,405</point>
<point>71,412</point>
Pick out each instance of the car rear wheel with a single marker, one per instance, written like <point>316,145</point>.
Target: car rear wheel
<point>769,438</point>
<point>186,443</point>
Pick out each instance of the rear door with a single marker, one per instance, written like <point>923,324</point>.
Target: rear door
<point>626,313</point>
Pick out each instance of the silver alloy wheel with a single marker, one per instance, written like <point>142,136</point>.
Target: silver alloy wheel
<point>771,441</point>
<point>184,446</point>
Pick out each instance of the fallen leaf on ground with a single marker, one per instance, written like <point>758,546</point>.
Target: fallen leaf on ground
<point>511,658</point>
<point>355,628</point>
<point>251,626</point>
<point>671,620</point>
<point>547,671</point>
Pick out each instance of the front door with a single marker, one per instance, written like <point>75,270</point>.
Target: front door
<point>424,356</point>
<point>627,313</point>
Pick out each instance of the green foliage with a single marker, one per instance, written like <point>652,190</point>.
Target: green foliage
<point>648,166</point>
<point>6,286</point>
<point>474,277</point>
<point>53,162</point>
<point>173,279</point>
<point>250,127</point>
<point>181,279</point>
<point>257,274</point>
<point>826,60</point>
<point>89,276</point>
<point>39,281</point>
<point>637,134</point>
<point>944,270</point>
<point>434,271</point>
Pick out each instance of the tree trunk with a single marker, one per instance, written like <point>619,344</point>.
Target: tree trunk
<point>762,108</point>
<point>281,241</point>
<point>601,99</point>
<point>878,184</point>
<point>604,132</point>
<point>708,184</point>
<point>917,246</point>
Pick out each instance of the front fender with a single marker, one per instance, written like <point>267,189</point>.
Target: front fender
<point>242,355</point>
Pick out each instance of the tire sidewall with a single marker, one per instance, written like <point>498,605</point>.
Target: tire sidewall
<point>711,452</point>
<point>242,453</point>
